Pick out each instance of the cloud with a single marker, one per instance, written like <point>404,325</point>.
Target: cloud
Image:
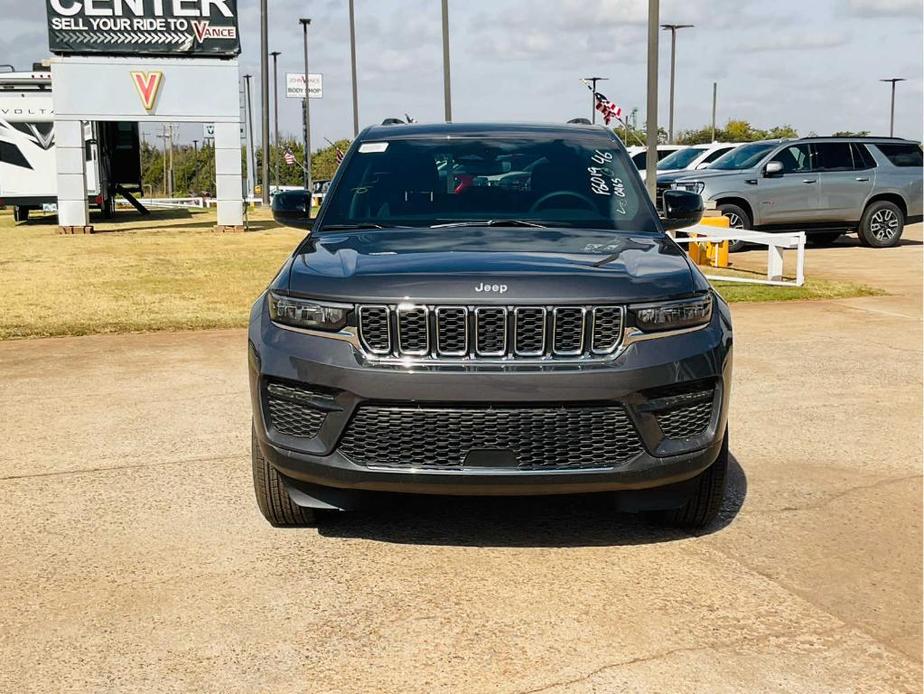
<point>795,41</point>
<point>884,8</point>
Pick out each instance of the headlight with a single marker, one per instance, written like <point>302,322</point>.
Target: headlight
<point>693,187</point>
<point>303,313</point>
<point>673,315</point>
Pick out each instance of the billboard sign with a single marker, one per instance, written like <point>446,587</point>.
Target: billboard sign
<point>195,28</point>
<point>295,85</point>
<point>147,90</point>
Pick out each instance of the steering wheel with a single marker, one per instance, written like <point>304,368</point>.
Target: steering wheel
<point>563,194</point>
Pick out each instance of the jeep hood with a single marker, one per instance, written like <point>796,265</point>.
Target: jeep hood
<point>447,265</point>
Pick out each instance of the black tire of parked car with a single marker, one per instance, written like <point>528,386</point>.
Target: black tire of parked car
<point>20,214</point>
<point>706,501</point>
<point>272,498</point>
<point>738,218</point>
<point>881,225</point>
<point>826,238</point>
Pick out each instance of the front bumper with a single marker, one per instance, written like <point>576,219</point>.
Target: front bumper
<point>335,369</point>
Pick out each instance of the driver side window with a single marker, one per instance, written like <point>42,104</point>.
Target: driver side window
<point>795,159</point>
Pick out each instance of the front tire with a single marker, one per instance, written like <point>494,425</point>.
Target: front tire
<point>738,218</point>
<point>272,498</point>
<point>882,225</point>
<point>705,502</point>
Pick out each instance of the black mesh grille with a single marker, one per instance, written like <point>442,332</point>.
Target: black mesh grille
<point>685,422</point>
<point>451,330</point>
<point>491,330</point>
<point>413,335</point>
<point>607,328</point>
<point>289,412</point>
<point>530,332</point>
<point>374,329</point>
<point>569,330</point>
<point>540,438</point>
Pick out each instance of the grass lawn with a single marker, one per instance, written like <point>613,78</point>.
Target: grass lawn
<point>171,272</point>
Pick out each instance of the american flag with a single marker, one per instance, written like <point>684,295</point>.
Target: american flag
<point>290,158</point>
<point>605,106</point>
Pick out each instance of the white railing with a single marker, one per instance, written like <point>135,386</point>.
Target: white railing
<point>170,203</point>
<point>775,243</point>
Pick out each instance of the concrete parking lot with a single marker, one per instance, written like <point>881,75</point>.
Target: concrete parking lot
<point>134,558</point>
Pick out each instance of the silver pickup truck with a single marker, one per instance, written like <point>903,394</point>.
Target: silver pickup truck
<point>825,186</point>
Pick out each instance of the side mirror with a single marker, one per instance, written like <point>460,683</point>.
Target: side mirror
<point>290,208</point>
<point>773,168</point>
<point>681,209</point>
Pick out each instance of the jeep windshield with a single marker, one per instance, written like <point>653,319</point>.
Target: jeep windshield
<point>743,157</point>
<point>492,181</point>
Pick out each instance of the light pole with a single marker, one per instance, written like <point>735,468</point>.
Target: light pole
<point>673,29</point>
<point>195,165</point>
<point>252,158</point>
<point>264,97</point>
<point>353,65</point>
<point>893,80</point>
<point>715,96</point>
<point>593,97</point>
<point>276,55</point>
<point>651,127</point>
<point>447,88</point>
<point>305,24</point>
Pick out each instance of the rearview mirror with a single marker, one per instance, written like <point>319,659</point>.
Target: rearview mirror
<point>774,168</point>
<point>681,209</point>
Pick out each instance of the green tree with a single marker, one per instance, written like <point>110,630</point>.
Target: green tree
<point>735,131</point>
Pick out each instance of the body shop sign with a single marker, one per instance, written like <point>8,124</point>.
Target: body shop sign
<point>144,27</point>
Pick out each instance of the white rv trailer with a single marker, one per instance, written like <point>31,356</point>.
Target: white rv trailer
<point>28,170</point>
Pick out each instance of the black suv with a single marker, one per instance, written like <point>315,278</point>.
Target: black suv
<point>491,310</point>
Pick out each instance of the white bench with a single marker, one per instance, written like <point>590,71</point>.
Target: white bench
<point>775,243</point>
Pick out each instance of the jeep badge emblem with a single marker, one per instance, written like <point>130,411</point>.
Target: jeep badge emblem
<point>492,288</point>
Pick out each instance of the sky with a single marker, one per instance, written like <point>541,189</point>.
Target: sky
<point>812,64</point>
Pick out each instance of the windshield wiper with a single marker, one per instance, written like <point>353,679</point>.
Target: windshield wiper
<point>363,225</point>
<point>491,223</point>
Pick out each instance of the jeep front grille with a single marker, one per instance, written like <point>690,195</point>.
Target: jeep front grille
<point>490,332</point>
<point>531,438</point>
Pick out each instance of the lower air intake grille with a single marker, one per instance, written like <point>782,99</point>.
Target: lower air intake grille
<point>686,421</point>
<point>539,438</point>
<point>289,412</point>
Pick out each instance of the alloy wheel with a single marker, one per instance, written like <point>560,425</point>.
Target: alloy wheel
<point>734,221</point>
<point>884,225</point>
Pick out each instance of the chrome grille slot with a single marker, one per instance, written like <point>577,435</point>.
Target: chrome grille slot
<point>452,331</point>
<point>482,333</point>
<point>491,331</point>
<point>568,330</point>
<point>413,330</point>
<point>607,329</point>
<point>375,328</point>
<point>529,331</point>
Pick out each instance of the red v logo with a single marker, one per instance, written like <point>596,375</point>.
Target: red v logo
<point>148,86</point>
<point>200,28</point>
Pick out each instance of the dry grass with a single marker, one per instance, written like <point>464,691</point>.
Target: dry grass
<point>168,273</point>
<point>172,272</point>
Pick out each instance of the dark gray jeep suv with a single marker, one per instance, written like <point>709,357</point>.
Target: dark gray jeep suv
<point>491,310</point>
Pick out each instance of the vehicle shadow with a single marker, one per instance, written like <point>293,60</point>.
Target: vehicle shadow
<point>584,520</point>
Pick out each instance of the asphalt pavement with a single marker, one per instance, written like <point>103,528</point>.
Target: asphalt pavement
<point>133,557</point>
